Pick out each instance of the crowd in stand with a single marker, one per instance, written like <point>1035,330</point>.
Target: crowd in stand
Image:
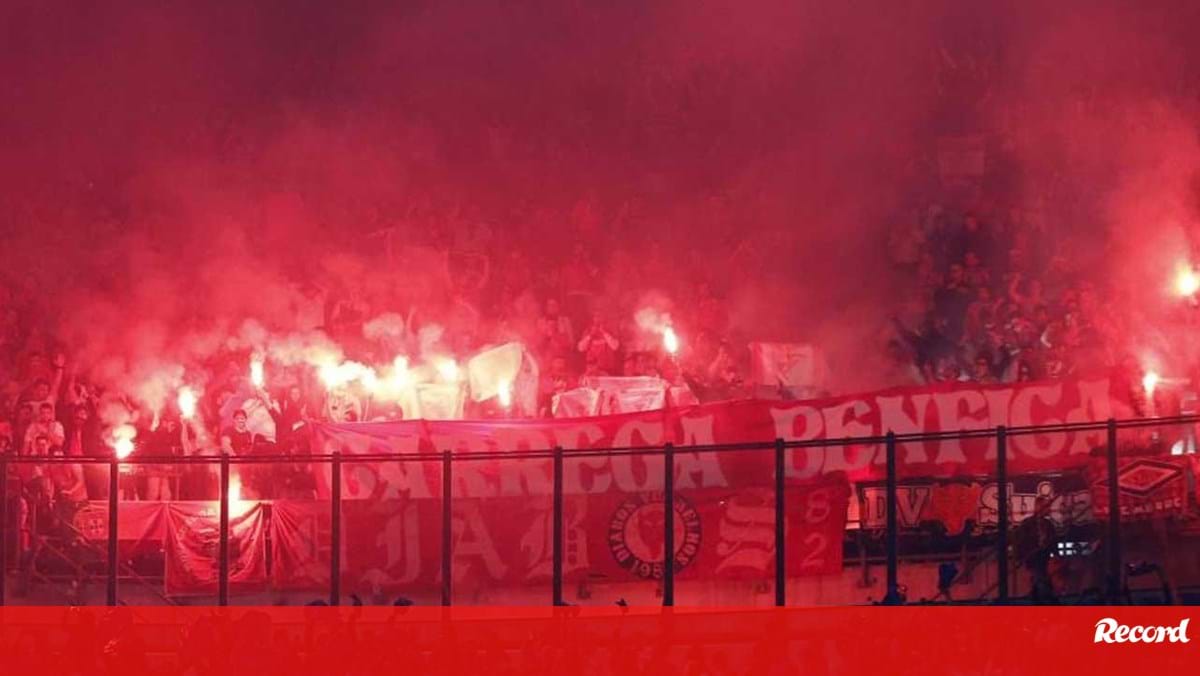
<point>573,306</point>
<point>996,304</point>
<point>574,311</point>
<point>996,296</point>
<point>996,299</point>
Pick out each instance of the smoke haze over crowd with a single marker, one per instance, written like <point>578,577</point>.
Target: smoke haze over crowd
<point>183,179</point>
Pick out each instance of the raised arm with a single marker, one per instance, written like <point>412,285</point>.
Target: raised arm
<point>60,365</point>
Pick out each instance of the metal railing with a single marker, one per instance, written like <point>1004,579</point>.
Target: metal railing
<point>557,455</point>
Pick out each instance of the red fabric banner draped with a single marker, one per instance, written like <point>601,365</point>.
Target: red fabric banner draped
<point>930,409</point>
<point>136,521</point>
<point>300,544</point>
<point>192,547</point>
<point>395,545</point>
<point>141,526</point>
<point>613,507</point>
<point>613,512</point>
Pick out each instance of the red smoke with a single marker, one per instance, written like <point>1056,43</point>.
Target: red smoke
<point>185,181</point>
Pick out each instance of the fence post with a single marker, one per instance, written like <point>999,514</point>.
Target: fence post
<point>557,538</point>
<point>223,548</point>
<point>1114,516</point>
<point>447,529</point>
<point>780,527</point>
<point>4,529</point>
<point>669,525</point>
<point>893,583</point>
<point>335,531</point>
<point>114,494</point>
<point>1002,518</point>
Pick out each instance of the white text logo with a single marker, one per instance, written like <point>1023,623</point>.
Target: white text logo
<point>1109,630</point>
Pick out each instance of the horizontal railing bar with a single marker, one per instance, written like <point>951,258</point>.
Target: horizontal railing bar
<point>548,453</point>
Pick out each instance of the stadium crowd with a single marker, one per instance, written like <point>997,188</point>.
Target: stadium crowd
<point>995,295</point>
<point>994,302</point>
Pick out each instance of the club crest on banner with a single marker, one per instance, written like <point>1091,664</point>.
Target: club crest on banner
<point>197,530</point>
<point>92,522</point>
<point>1147,487</point>
<point>635,534</point>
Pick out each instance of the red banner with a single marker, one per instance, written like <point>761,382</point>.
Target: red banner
<point>613,509</point>
<point>138,523</point>
<point>908,410</point>
<point>395,545</point>
<point>815,527</point>
<point>192,547</point>
<point>955,503</point>
<point>300,544</point>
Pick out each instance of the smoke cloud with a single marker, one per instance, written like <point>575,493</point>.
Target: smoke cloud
<point>186,180</point>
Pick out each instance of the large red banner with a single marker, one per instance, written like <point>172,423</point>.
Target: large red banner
<point>943,408</point>
<point>613,506</point>
<point>395,545</point>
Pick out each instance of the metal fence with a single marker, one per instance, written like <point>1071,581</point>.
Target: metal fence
<point>1112,529</point>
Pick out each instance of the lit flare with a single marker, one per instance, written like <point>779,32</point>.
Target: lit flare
<point>187,402</point>
<point>1187,282</point>
<point>448,370</point>
<point>670,341</point>
<point>123,441</point>
<point>1150,382</point>
<point>257,377</point>
<point>398,379</point>
<point>336,375</point>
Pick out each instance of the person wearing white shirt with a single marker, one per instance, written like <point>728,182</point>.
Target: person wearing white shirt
<point>45,424</point>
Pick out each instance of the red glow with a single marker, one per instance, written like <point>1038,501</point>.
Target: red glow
<point>257,376</point>
<point>1187,282</point>
<point>670,341</point>
<point>1150,382</point>
<point>186,402</point>
<point>122,444</point>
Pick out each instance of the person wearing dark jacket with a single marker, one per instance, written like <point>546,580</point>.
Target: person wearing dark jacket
<point>82,439</point>
<point>288,416</point>
<point>1036,541</point>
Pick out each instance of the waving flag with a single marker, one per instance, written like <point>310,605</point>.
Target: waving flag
<point>795,368</point>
